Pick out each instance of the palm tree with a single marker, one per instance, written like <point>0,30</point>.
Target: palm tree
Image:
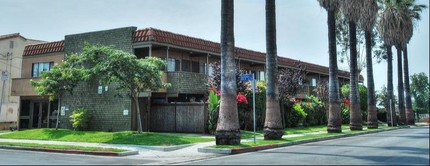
<point>400,90</point>
<point>367,22</point>
<point>227,131</point>
<point>410,118</point>
<point>387,28</point>
<point>273,128</point>
<point>352,10</point>
<point>334,116</point>
<point>413,10</point>
<point>391,114</point>
<point>404,32</point>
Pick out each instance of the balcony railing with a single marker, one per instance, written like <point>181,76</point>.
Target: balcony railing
<point>187,82</point>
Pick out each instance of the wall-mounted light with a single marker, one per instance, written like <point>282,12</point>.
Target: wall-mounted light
<point>100,90</point>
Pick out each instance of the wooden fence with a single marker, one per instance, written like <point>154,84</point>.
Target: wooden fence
<point>179,117</point>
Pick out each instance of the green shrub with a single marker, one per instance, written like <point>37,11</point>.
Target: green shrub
<point>213,111</point>
<point>245,110</point>
<point>80,119</point>
<point>298,108</point>
<point>345,113</point>
<point>362,90</point>
<point>316,111</point>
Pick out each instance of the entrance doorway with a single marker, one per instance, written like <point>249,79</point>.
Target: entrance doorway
<point>38,114</point>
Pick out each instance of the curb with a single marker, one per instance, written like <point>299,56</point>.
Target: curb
<point>265,147</point>
<point>99,153</point>
<point>167,148</point>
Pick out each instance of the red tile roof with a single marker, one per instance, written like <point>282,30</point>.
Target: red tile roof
<point>160,36</point>
<point>44,48</point>
<point>9,36</point>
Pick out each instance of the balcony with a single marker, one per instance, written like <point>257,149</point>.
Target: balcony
<point>187,82</point>
<point>22,87</point>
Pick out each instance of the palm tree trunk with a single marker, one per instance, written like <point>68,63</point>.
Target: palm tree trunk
<point>400,90</point>
<point>355,112</point>
<point>273,128</point>
<point>391,110</point>
<point>409,112</point>
<point>227,131</point>
<point>334,117</point>
<point>372,119</point>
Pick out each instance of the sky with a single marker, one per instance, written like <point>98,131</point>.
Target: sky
<point>301,25</point>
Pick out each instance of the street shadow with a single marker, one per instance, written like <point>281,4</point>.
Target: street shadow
<point>389,160</point>
<point>409,150</point>
<point>415,136</point>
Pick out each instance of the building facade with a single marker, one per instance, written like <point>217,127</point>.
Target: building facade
<point>11,49</point>
<point>187,70</point>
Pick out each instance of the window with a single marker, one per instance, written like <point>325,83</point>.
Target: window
<point>211,70</point>
<point>314,82</point>
<point>11,44</point>
<point>195,67</point>
<point>39,67</point>
<point>171,64</point>
<point>203,68</point>
<point>261,76</point>
<point>186,65</point>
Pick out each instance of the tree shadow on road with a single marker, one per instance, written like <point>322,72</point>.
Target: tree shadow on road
<point>389,160</point>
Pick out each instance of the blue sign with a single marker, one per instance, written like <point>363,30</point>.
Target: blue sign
<point>246,77</point>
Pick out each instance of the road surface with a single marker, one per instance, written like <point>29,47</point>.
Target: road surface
<point>396,147</point>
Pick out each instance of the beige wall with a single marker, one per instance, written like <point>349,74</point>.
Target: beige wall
<point>11,61</point>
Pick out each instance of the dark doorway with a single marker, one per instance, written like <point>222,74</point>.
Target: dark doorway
<point>40,113</point>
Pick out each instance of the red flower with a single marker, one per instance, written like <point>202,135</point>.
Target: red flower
<point>346,102</point>
<point>241,99</point>
<point>218,92</point>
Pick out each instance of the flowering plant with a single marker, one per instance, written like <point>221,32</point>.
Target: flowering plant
<point>241,98</point>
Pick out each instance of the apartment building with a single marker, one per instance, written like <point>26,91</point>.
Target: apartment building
<point>187,71</point>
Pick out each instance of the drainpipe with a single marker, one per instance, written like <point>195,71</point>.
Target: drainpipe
<point>207,64</point>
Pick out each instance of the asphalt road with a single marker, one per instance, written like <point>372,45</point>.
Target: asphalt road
<point>17,157</point>
<point>397,147</point>
<point>404,147</point>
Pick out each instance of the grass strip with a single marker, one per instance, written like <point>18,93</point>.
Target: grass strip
<point>298,138</point>
<point>62,147</point>
<point>123,137</point>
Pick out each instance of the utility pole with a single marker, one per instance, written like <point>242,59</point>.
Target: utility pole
<point>4,78</point>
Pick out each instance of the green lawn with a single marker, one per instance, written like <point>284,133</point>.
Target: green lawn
<point>67,147</point>
<point>124,137</point>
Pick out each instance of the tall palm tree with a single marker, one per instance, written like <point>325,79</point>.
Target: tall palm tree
<point>410,118</point>
<point>391,113</point>
<point>367,22</point>
<point>227,131</point>
<point>400,90</point>
<point>334,117</point>
<point>404,32</point>
<point>387,28</point>
<point>273,128</point>
<point>413,10</point>
<point>351,10</point>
